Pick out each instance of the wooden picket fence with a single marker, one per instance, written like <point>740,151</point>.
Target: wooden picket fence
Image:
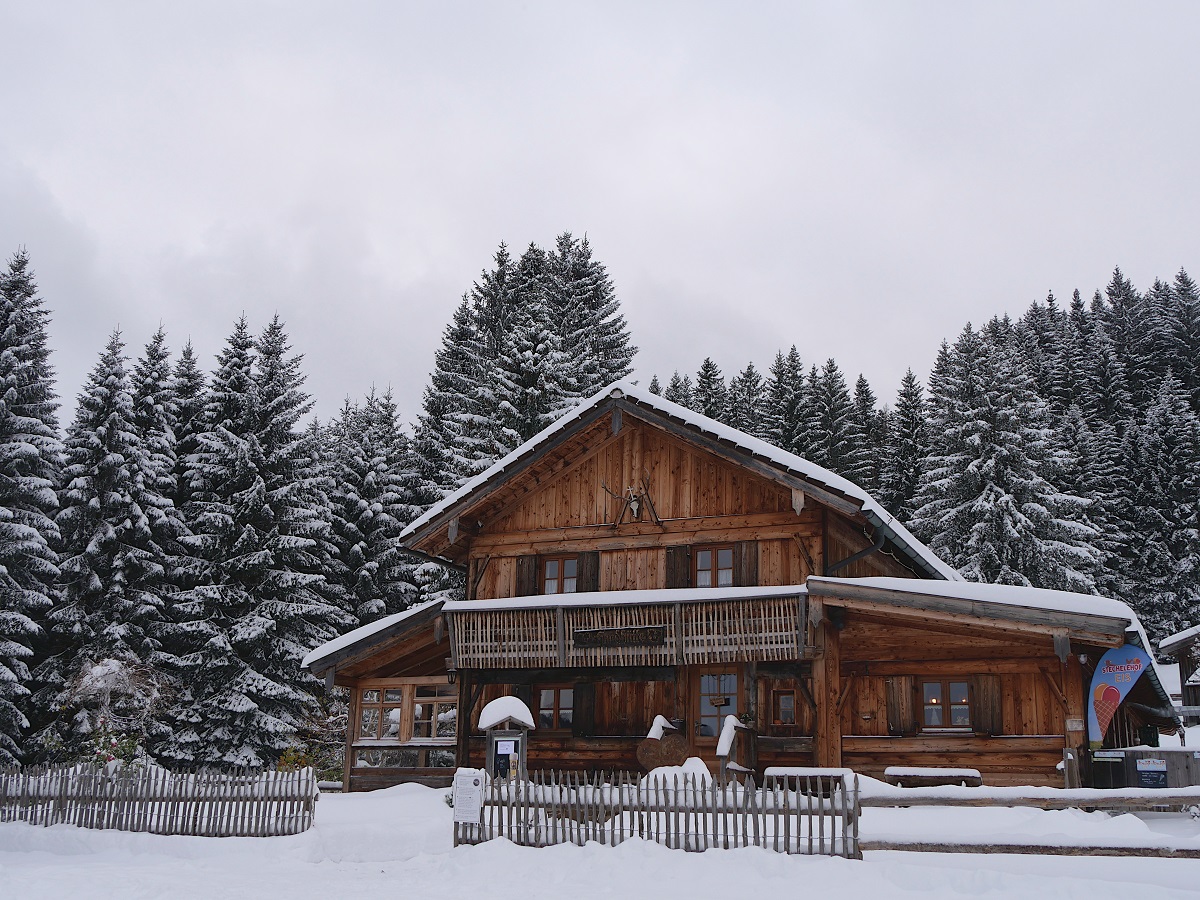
<point>815,815</point>
<point>206,803</point>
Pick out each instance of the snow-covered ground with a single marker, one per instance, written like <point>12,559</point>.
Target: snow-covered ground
<point>396,843</point>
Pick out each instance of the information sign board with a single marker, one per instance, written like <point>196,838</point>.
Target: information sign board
<point>468,796</point>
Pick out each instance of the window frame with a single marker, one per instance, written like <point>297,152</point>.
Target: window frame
<point>562,560</point>
<point>557,708</point>
<point>714,568</point>
<point>946,705</point>
<point>777,720</point>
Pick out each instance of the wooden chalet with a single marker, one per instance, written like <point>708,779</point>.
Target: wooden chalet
<point>637,559</point>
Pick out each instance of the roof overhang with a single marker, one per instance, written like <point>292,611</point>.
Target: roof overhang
<point>362,643</point>
<point>439,529</point>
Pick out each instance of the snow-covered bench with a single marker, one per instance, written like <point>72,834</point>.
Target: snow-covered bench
<point>931,776</point>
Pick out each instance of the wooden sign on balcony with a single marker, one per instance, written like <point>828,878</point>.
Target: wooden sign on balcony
<point>637,636</point>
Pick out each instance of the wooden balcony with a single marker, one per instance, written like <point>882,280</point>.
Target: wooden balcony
<point>631,628</point>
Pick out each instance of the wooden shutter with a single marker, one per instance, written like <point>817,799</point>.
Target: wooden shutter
<point>989,708</point>
<point>524,693</point>
<point>583,713</point>
<point>527,576</point>
<point>587,573</point>
<point>679,567</point>
<point>900,714</point>
<point>745,564</point>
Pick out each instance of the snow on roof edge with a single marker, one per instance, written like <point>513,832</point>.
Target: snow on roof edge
<point>365,631</point>
<point>1178,637</point>
<point>790,461</point>
<point>626,598</point>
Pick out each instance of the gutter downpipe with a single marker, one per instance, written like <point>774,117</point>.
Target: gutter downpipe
<point>861,554</point>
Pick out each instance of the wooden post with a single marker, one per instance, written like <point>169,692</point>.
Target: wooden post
<point>1076,715</point>
<point>827,686</point>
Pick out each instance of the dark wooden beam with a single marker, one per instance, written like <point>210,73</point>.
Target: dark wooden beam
<point>549,676</point>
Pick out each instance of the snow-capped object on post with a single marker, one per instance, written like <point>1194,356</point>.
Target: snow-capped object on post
<point>505,709</point>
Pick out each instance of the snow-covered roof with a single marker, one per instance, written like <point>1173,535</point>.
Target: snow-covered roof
<point>504,708</point>
<point>350,638</point>
<point>1028,598</point>
<point>874,512</point>
<point>1168,674</point>
<point>1175,641</point>
<point>1005,594</point>
<point>625,598</point>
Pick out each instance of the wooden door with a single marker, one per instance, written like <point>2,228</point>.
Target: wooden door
<point>716,693</point>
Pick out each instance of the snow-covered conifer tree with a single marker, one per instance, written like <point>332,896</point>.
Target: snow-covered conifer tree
<point>118,536</point>
<point>746,403</point>
<point>30,457</point>
<point>906,448</point>
<point>710,396</point>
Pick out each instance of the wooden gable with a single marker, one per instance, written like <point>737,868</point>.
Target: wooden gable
<point>680,481</point>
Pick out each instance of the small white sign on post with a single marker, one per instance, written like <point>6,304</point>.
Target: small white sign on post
<point>468,796</point>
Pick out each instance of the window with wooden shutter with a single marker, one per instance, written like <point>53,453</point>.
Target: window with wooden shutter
<point>589,571</point>
<point>901,717</point>
<point>745,563</point>
<point>527,576</point>
<point>679,567</point>
<point>989,709</point>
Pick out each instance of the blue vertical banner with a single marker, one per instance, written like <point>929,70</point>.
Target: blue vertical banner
<point>1116,674</point>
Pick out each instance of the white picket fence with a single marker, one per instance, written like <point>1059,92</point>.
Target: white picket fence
<point>205,803</point>
<point>815,815</point>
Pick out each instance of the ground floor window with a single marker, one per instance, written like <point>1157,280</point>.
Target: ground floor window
<point>946,705</point>
<point>556,707</point>
<point>400,724</point>
<point>783,707</point>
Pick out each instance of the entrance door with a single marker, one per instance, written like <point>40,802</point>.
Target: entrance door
<point>716,693</point>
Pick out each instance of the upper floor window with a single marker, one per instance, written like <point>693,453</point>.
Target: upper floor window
<point>945,705</point>
<point>714,567</point>
<point>783,707</point>
<point>560,574</point>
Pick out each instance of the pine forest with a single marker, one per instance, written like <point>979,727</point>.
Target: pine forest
<point>172,552</point>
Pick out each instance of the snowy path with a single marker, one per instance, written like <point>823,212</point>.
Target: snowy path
<point>397,843</point>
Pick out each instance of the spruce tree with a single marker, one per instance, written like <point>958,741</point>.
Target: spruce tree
<point>983,504</point>
<point>30,457</point>
<point>256,517</point>
<point>832,436</point>
<point>371,503</point>
<point>679,390</point>
<point>785,400</point>
<point>1164,540</point>
<point>189,399</point>
<point>906,449</point>
<point>710,396</point>
<point>746,403</point>
<point>867,438</point>
<point>655,388</point>
<point>118,532</point>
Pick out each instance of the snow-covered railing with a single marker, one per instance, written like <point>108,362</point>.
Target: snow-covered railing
<point>205,803</point>
<point>681,808</point>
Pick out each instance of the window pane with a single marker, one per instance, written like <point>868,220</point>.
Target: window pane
<point>570,566</point>
<point>933,716</point>
<point>392,695</point>
<point>546,718</point>
<point>570,585</point>
<point>725,558</point>
<point>391,722</point>
<point>369,727</point>
<point>933,691</point>
<point>370,697</point>
<point>960,716</point>
<point>703,559</point>
<point>566,698</point>
<point>440,759</point>
<point>725,578</point>
<point>704,578</point>
<point>785,709</point>
<point>958,692</point>
<point>565,717</point>
<point>423,720</point>
<point>447,719</point>
<point>551,586</point>
<point>552,568</point>
<point>547,699</point>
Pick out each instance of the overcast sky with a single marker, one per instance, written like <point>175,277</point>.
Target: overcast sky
<point>857,179</point>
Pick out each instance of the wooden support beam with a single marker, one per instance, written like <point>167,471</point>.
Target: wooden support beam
<point>1056,692</point>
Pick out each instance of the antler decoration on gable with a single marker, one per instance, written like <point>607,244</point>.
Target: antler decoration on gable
<point>633,501</point>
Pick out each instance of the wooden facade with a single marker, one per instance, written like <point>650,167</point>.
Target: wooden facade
<point>697,573</point>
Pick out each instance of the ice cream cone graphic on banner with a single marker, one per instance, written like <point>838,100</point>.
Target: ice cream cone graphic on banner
<point>1116,673</point>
